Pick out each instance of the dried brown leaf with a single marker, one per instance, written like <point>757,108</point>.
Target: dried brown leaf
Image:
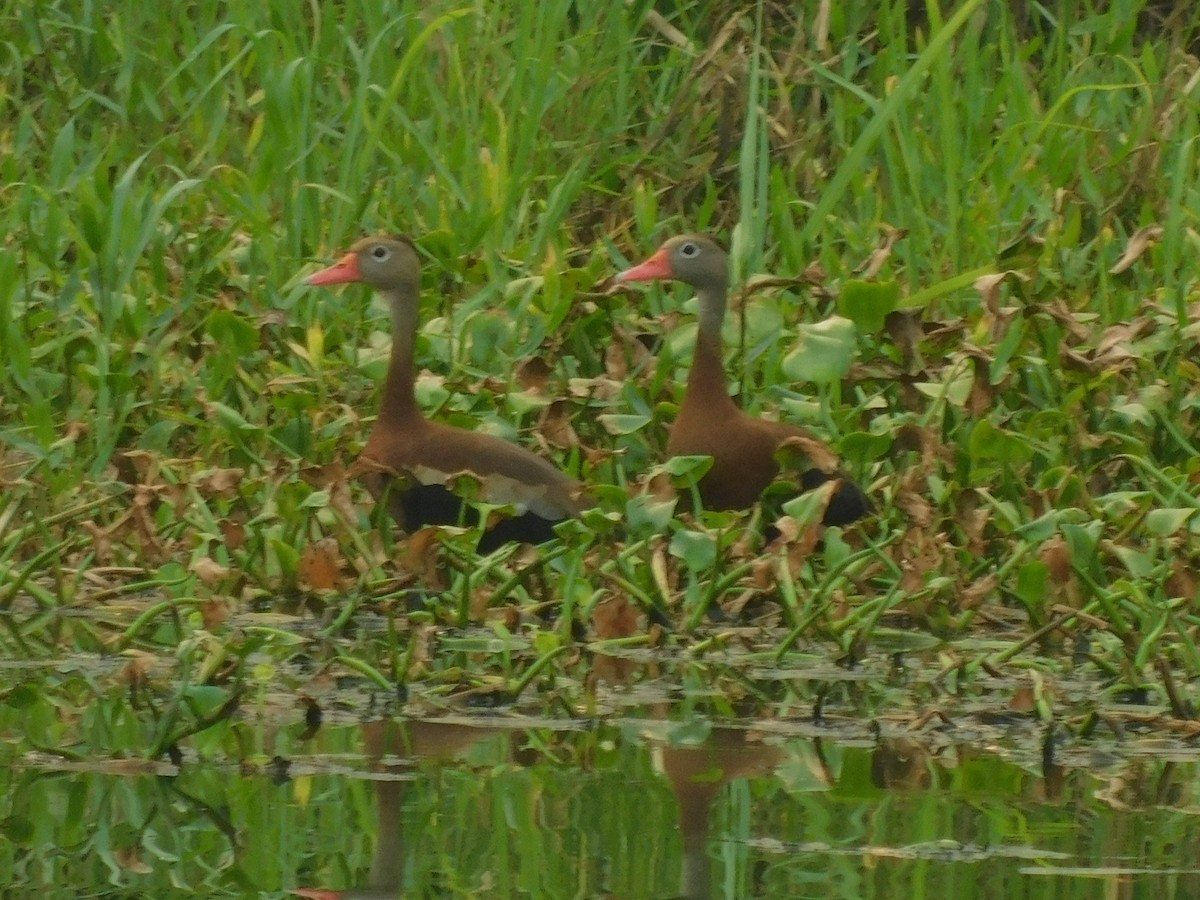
<point>981,398</point>
<point>814,274</point>
<point>614,617</point>
<point>1111,343</point>
<point>880,255</point>
<point>220,482</point>
<point>320,564</point>
<point>130,859</point>
<point>624,354</point>
<point>904,328</point>
<point>805,451</point>
<point>1023,700</point>
<point>234,534</point>
<point>321,477</point>
<point>209,571</point>
<point>917,508</point>
<point>1139,243</point>
<point>533,374</point>
<point>137,669</point>
<point>1184,581</point>
<point>1056,554</point>
<point>213,613</point>
<point>555,426</point>
<point>421,557</point>
<point>978,590</point>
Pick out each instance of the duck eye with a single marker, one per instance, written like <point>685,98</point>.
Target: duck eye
<point>380,252</point>
<point>688,250</point>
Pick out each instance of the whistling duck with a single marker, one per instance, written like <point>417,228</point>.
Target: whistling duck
<point>428,454</point>
<point>709,423</point>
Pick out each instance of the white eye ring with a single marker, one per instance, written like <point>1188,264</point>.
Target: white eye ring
<point>380,253</point>
<point>689,250</point>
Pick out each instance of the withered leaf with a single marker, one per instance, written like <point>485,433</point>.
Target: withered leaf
<point>220,482</point>
<point>977,591</point>
<point>1122,333</point>
<point>1056,554</point>
<point>806,451</point>
<point>979,401</point>
<point>917,508</point>
<point>214,613</point>
<point>130,859</point>
<point>614,617</point>
<point>421,556</point>
<point>209,571</point>
<point>1023,700</point>
<point>533,374</point>
<point>904,328</point>
<point>137,668</point>
<point>879,256</point>
<point>234,534</point>
<point>320,564</point>
<point>1139,243</point>
<point>555,426</point>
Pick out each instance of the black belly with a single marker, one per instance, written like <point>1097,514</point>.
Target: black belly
<point>434,504</point>
<point>848,503</point>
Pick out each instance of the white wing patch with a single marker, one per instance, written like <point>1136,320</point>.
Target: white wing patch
<point>498,490</point>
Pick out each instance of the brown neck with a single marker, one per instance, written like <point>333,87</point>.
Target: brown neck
<point>706,381</point>
<point>399,398</point>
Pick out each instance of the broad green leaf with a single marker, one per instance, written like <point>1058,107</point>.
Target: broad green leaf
<point>809,506</point>
<point>686,470</point>
<point>697,549</point>
<point>987,442</point>
<point>622,423</point>
<point>1169,521</point>
<point>823,351</point>
<point>867,303</point>
<point>863,446</point>
<point>1033,579</point>
<point>647,514</point>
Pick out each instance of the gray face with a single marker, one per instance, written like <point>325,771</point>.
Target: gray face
<point>388,263</point>
<point>697,260</point>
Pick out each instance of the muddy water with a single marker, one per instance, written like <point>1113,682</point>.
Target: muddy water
<point>496,804</point>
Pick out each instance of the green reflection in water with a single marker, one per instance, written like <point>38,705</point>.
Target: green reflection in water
<point>479,808</point>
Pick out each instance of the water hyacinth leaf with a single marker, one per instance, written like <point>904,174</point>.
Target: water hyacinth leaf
<point>623,423</point>
<point>764,319</point>
<point>954,390</point>
<point>17,829</point>
<point>686,470</point>
<point>316,500</point>
<point>867,303</point>
<point>1134,413</point>
<point>1033,580</point>
<point>697,549</point>
<point>809,507</point>
<point>22,696</point>
<point>823,351</point>
<point>864,446</point>
<point>647,514</point>
<point>987,442</point>
<point>1166,522</point>
<point>1139,563</point>
<point>484,337</point>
